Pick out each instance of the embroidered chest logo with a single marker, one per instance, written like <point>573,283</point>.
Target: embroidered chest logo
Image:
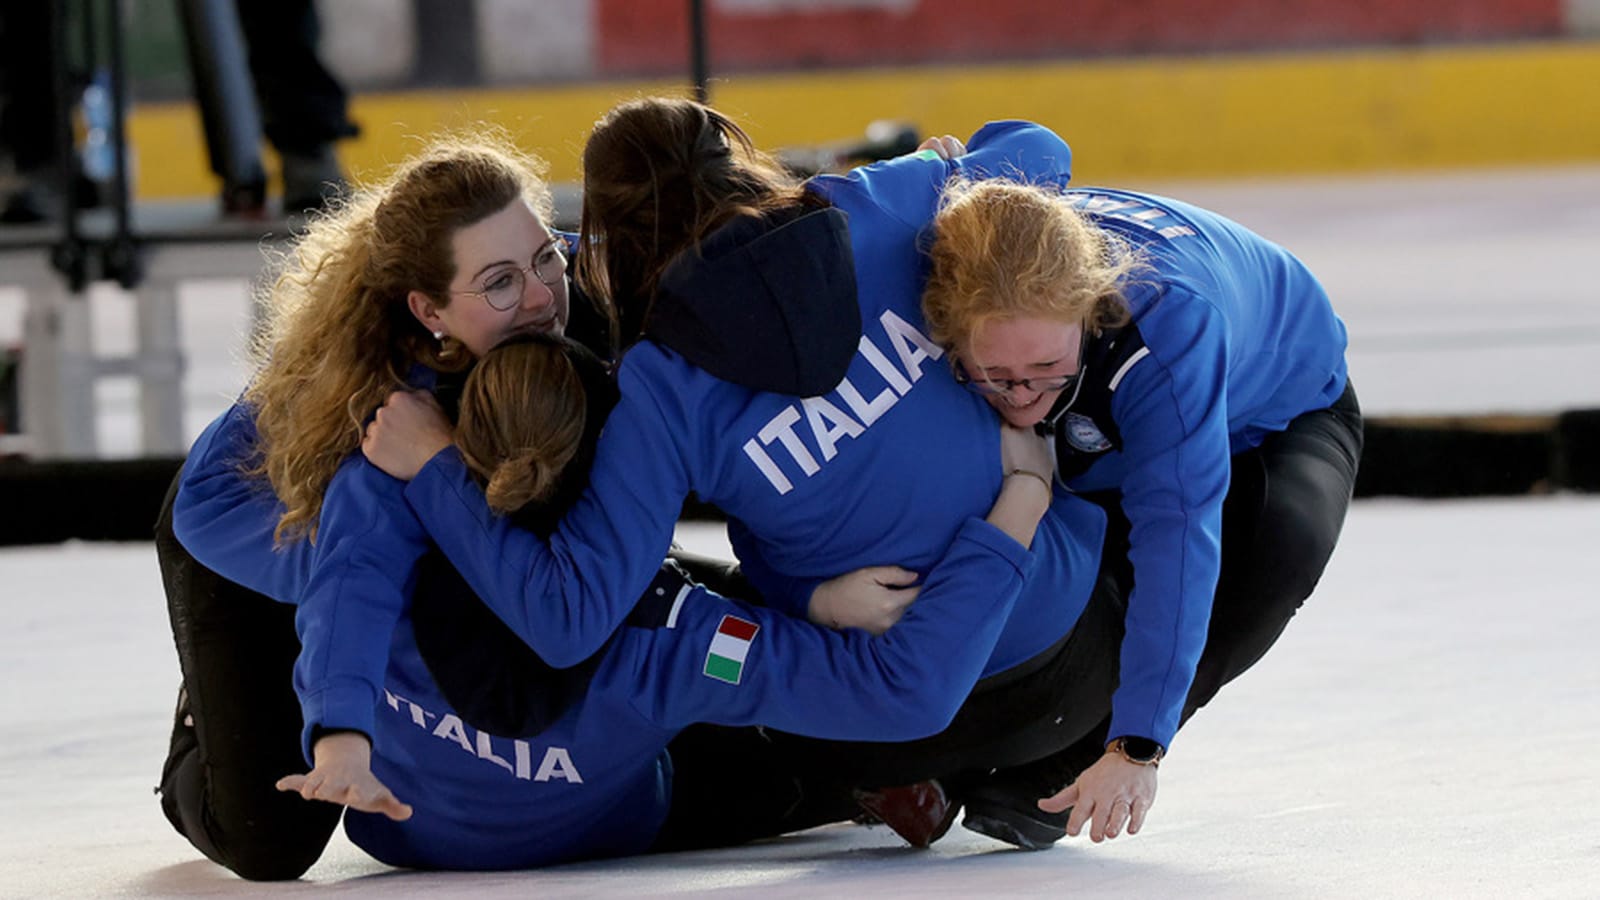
<point>1084,435</point>
<point>729,646</point>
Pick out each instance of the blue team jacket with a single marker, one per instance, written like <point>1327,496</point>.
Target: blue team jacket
<point>881,469</point>
<point>1231,338</point>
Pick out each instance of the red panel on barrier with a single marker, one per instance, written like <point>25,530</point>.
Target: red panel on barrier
<point>636,37</point>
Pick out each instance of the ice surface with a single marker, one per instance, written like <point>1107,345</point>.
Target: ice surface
<point>1426,728</point>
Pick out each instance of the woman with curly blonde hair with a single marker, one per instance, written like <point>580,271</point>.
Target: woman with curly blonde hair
<point>402,286</point>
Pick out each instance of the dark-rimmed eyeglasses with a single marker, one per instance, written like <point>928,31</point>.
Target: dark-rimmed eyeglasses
<point>991,386</point>
<point>1043,384</point>
<point>503,289</point>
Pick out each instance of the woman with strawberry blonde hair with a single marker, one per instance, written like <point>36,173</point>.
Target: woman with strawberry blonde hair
<point>1193,377</point>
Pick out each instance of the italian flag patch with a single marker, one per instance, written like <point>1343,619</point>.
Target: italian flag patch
<point>729,646</point>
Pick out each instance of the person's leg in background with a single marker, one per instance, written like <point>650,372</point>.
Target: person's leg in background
<point>304,108</point>
<point>237,727</point>
<point>30,113</point>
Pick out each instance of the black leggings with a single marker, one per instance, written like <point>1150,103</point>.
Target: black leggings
<point>733,785</point>
<point>237,650</point>
<point>1286,505</point>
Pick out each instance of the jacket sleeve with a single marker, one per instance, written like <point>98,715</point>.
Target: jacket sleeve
<point>908,187</point>
<point>364,570</point>
<point>565,595</point>
<point>789,594</point>
<point>226,519</point>
<point>1171,411</point>
<point>729,663</point>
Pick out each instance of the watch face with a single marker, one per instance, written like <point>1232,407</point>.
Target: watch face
<point>1141,749</point>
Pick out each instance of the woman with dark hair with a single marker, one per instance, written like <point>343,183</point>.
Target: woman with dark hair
<point>779,369</point>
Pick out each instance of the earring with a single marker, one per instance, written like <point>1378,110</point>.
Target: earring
<point>438,336</point>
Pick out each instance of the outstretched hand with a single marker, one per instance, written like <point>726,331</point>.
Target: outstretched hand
<point>343,775</point>
<point>1110,794</point>
<point>409,429</point>
<point>872,599</point>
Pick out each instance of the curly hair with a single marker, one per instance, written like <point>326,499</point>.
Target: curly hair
<point>1004,250</point>
<point>659,174</point>
<point>339,334</point>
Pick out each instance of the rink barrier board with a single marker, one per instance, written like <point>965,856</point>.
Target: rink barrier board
<point>43,502</point>
<point>1228,115</point>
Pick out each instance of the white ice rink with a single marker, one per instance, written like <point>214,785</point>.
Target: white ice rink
<point>1428,726</point>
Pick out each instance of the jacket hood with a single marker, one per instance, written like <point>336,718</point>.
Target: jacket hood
<point>767,303</point>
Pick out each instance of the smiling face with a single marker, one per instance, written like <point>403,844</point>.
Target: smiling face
<point>1004,353</point>
<point>483,252</point>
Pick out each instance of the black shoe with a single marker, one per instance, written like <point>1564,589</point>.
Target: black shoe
<point>1007,811</point>
<point>1005,805</point>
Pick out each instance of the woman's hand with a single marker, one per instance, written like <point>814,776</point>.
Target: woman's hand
<point>872,599</point>
<point>409,430</point>
<point>1025,449</point>
<point>948,146</point>
<point>1108,795</point>
<point>343,775</point>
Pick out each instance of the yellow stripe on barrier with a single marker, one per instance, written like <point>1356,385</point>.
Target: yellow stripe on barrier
<point>1149,118</point>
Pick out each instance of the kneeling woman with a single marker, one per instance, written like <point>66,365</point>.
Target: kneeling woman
<point>589,772</point>
<point>1192,374</point>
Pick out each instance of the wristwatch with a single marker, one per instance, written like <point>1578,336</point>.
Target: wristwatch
<point>1137,750</point>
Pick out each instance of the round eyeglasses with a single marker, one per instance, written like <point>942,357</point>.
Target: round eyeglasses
<point>1043,384</point>
<point>503,288</point>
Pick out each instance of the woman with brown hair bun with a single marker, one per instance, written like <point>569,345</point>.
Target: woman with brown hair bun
<point>510,762</point>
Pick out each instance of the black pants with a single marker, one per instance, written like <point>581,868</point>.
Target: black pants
<point>30,111</point>
<point>303,106</point>
<point>237,650</point>
<point>1285,507</point>
<point>735,785</point>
